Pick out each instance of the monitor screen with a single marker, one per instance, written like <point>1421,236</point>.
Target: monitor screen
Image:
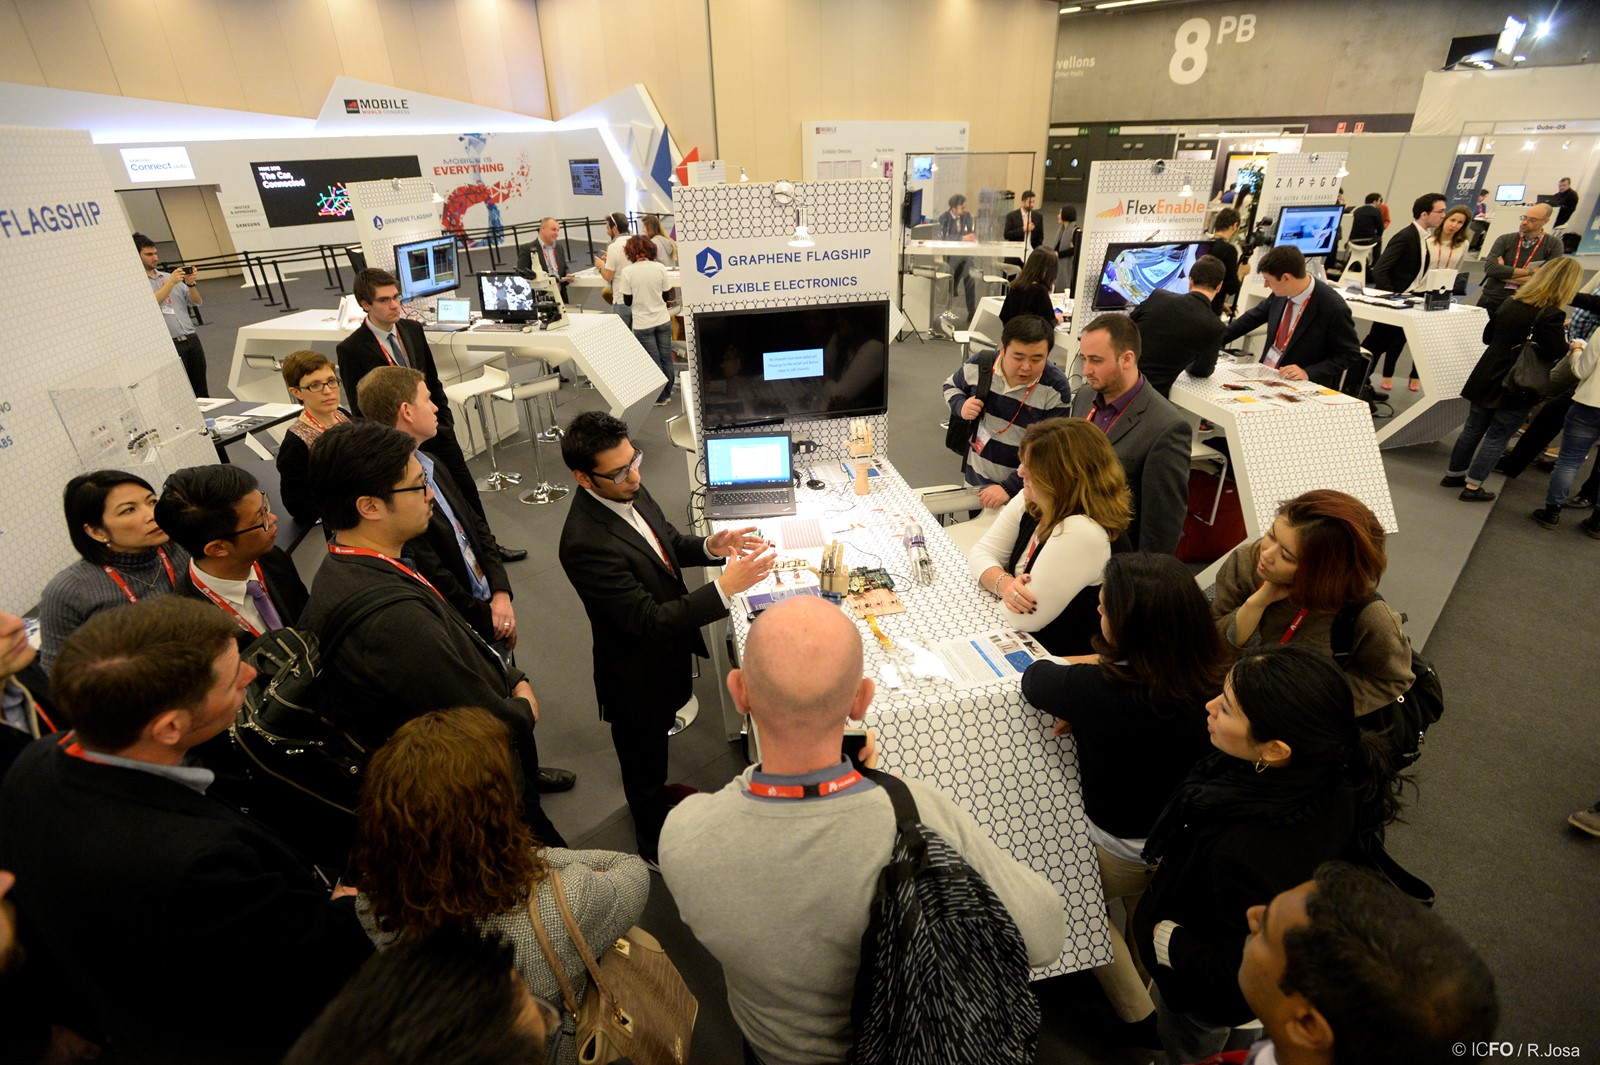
<point>1132,271</point>
<point>762,367</point>
<point>922,168</point>
<point>1510,193</point>
<point>506,297</point>
<point>585,177</point>
<point>1314,230</point>
<point>309,191</point>
<point>426,267</point>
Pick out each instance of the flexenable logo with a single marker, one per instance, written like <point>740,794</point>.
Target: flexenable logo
<point>1112,212</point>
<point>708,262</point>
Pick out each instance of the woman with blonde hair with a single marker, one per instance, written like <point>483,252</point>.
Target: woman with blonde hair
<point>666,250</point>
<point>1044,555</point>
<point>1499,407</point>
<point>440,842</point>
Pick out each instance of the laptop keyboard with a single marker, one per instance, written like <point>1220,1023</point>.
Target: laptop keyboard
<point>727,498</point>
<point>498,327</point>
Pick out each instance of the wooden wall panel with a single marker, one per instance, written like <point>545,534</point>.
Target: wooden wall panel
<point>137,46</point>
<point>67,45</point>
<point>17,61</point>
<point>307,29</point>
<point>486,73</point>
<point>445,60</point>
<point>522,45</point>
<point>256,39</point>
<point>362,51</point>
<point>207,66</point>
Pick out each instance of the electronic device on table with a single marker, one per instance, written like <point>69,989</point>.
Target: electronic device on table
<point>1312,229</point>
<point>426,267</point>
<point>519,300</point>
<point>749,475</point>
<point>1510,193</point>
<point>1131,271</point>
<point>451,314</point>
<point>764,366</point>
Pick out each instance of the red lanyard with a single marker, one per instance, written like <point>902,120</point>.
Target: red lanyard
<point>387,354</point>
<point>195,578</point>
<point>1023,402</point>
<point>172,577</point>
<point>802,791</point>
<point>307,415</point>
<point>1294,626</point>
<point>1517,264</point>
<point>1446,254</point>
<point>340,549</point>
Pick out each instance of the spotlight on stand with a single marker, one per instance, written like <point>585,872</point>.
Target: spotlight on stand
<point>743,177</point>
<point>1159,167</point>
<point>802,232</point>
<point>1187,192</point>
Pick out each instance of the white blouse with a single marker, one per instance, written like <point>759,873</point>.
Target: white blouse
<point>1071,559</point>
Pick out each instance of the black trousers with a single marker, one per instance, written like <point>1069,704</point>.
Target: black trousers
<point>194,363</point>
<point>1537,436</point>
<point>445,448</point>
<point>641,744</point>
<point>1388,341</point>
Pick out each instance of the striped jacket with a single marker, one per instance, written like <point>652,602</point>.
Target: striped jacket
<point>997,464</point>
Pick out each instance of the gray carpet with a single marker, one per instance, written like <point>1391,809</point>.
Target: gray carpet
<point>1515,641</point>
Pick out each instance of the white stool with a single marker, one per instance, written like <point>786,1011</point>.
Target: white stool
<point>966,534</point>
<point>493,378</point>
<point>462,391</point>
<point>1203,452</point>
<point>525,392</point>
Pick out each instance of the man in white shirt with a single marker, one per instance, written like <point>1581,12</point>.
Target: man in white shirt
<point>175,294</point>
<point>614,260</point>
<point>627,561</point>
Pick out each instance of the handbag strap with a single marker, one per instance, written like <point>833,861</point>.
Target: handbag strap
<point>577,936</point>
<point>549,949</point>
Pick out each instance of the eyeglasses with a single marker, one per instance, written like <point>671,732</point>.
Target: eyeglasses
<point>322,386</point>
<point>622,474</point>
<point>266,514</point>
<point>423,487</point>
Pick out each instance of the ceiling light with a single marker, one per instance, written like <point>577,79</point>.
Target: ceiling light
<point>1519,59</point>
<point>1528,146</point>
<point>1565,145</point>
<point>1488,146</point>
<point>1071,10</point>
<point>1544,28</point>
<point>802,232</point>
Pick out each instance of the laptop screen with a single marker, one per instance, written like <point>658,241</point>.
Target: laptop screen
<point>454,311</point>
<point>747,459</point>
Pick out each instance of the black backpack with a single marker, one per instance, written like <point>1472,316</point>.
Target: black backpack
<point>958,437</point>
<point>1405,721</point>
<point>944,976</point>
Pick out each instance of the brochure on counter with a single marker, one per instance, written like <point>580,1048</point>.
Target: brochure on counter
<point>987,658</point>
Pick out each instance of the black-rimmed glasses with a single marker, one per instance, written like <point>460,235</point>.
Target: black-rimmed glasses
<point>622,474</point>
<point>266,514</point>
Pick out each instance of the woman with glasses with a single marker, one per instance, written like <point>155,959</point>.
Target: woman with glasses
<point>314,384</point>
<point>125,555</point>
<point>441,843</point>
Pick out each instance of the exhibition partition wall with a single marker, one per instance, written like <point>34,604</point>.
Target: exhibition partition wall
<point>1138,205</point>
<point>87,387</point>
<point>1293,179</point>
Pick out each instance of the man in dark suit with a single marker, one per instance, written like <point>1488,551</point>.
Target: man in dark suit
<point>1366,221</point>
<point>1025,224</point>
<point>626,562</point>
<point>1151,439</point>
<point>222,518</point>
<point>1401,267</point>
<point>163,890</point>
<point>387,338</point>
<point>1316,339</point>
<point>956,224</point>
<point>1179,333</point>
<point>547,256</point>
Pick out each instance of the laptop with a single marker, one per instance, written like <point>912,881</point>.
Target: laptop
<point>451,314</point>
<point>748,475</point>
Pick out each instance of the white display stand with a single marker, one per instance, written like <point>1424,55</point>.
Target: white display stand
<point>1130,202</point>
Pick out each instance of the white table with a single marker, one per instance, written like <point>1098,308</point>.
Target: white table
<point>986,748</point>
<point>583,291</point>
<point>1278,453</point>
<point>1445,346</point>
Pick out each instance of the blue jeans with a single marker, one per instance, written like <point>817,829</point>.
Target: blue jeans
<point>625,311</point>
<point>1578,434</point>
<point>1188,1038</point>
<point>657,340</point>
<point>1483,440</point>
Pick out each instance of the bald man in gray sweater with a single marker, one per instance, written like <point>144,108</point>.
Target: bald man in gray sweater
<point>775,872</point>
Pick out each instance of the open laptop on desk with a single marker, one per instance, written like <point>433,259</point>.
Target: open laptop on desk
<point>748,475</point>
<point>451,314</point>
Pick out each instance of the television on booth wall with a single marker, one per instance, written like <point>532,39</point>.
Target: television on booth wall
<point>1314,230</point>
<point>426,267</point>
<point>768,365</point>
<point>1132,271</point>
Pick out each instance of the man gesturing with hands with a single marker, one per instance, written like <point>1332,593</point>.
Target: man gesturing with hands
<point>627,561</point>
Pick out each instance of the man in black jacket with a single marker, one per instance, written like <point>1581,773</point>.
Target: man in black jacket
<point>1179,333</point>
<point>417,654</point>
<point>1366,222</point>
<point>1025,224</point>
<point>1311,332</point>
<point>1401,267</point>
<point>220,516</point>
<point>160,921</point>
<point>626,562</point>
<point>546,255</point>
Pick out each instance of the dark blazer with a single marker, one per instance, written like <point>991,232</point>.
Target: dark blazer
<point>1014,227</point>
<point>166,891</point>
<point>439,556</point>
<point>953,228</point>
<point>294,487</point>
<point>1031,299</point>
<point>1400,262</point>
<point>284,587</point>
<point>1176,333</point>
<point>530,259</point>
<point>1152,441</point>
<point>1366,223</point>
<point>1324,339</point>
<point>1510,324</point>
<point>360,352</point>
<point>1228,252</point>
<point>646,623</point>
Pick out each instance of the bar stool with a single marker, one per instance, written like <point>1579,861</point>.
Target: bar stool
<point>1199,451</point>
<point>525,392</point>
<point>493,378</point>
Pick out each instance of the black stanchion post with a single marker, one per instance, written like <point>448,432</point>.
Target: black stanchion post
<point>282,288</point>
<point>266,282</point>
<point>250,271</point>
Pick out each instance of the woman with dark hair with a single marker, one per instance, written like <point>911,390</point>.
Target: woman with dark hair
<point>1068,237</point>
<point>1292,783</point>
<point>646,287</point>
<point>1044,555</point>
<point>111,520</point>
<point>1323,552</point>
<point>312,382</point>
<point>1446,249</point>
<point>1137,711</point>
<point>440,842</point>
<point>1029,291</point>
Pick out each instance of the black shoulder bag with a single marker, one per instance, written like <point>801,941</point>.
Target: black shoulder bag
<point>958,437</point>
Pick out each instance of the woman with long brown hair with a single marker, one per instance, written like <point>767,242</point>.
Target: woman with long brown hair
<point>440,842</point>
<point>1029,291</point>
<point>1323,552</point>
<point>1044,555</point>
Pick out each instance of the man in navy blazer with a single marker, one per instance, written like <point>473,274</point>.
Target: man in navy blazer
<point>626,561</point>
<point>1151,439</point>
<point>1403,263</point>
<point>1316,340</point>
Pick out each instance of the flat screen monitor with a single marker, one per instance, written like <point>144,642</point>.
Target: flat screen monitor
<point>766,366</point>
<point>922,168</point>
<point>426,267</point>
<point>585,177</point>
<point>506,298</point>
<point>310,191</point>
<point>1132,271</point>
<point>912,214</point>
<point>1510,193</point>
<point>1314,230</point>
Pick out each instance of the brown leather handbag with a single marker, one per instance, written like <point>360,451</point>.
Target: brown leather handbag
<point>635,1006</point>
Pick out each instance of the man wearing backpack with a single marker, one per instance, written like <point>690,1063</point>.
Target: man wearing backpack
<point>776,872</point>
